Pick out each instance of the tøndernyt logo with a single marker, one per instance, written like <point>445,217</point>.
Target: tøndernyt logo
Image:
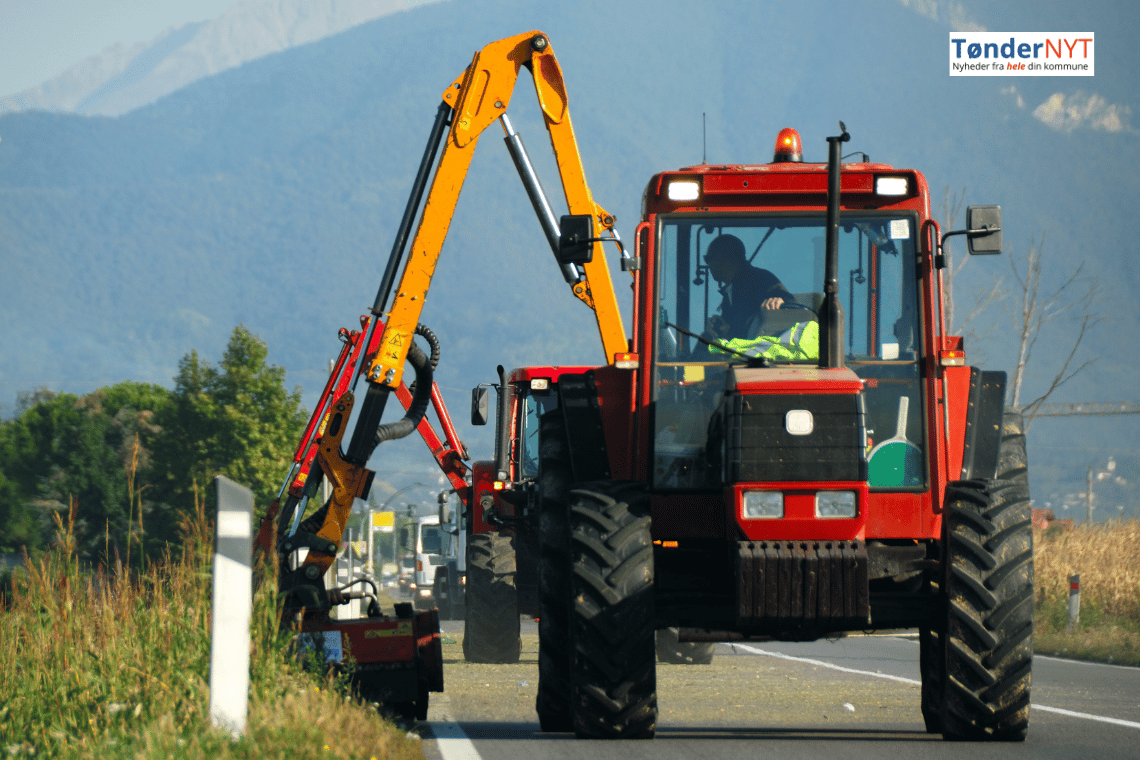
<point>1027,54</point>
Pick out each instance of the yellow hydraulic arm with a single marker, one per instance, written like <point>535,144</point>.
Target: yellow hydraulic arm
<point>479,97</point>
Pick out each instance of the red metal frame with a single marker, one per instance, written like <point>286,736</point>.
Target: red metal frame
<point>449,452</point>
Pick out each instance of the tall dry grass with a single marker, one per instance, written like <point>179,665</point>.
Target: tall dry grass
<point>1107,557</point>
<point>108,664</point>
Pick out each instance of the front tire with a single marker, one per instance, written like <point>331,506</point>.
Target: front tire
<point>932,664</point>
<point>614,675</point>
<point>671,650</point>
<point>988,651</point>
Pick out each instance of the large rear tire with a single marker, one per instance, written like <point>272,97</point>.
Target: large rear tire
<point>989,616</point>
<point>441,592</point>
<point>491,631</point>
<point>932,665</point>
<point>989,636</point>
<point>989,624</point>
<point>553,700</point>
<point>1013,460</point>
<point>614,677</point>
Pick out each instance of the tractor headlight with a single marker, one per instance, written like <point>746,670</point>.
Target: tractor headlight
<point>837,504</point>
<point>683,190</point>
<point>763,505</point>
<point>891,186</point>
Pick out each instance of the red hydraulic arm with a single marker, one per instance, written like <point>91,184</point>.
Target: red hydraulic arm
<point>449,452</point>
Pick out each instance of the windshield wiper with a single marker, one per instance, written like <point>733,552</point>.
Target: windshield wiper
<point>752,361</point>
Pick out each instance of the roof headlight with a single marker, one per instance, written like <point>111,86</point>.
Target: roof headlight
<point>539,383</point>
<point>891,186</point>
<point>683,190</point>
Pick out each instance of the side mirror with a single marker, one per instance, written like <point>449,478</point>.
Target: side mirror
<point>444,509</point>
<point>480,405</point>
<point>983,230</point>
<point>575,244</point>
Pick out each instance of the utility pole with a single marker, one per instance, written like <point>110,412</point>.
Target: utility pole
<point>1089,496</point>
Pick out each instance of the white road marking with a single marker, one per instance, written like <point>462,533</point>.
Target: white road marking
<point>900,679</point>
<point>1085,662</point>
<point>1086,716</point>
<point>449,736</point>
<point>821,663</point>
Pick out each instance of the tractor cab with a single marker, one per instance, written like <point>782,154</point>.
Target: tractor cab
<point>717,322</point>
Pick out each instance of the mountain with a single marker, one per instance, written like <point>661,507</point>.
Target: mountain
<point>124,77</point>
<point>268,194</point>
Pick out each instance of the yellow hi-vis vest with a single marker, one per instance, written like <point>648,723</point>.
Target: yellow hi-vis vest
<point>800,341</point>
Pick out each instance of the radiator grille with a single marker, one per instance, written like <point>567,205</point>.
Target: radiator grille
<point>758,446</point>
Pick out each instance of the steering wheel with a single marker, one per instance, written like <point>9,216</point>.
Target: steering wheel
<point>793,305</point>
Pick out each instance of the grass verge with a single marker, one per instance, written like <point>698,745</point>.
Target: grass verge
<point>111,664</point>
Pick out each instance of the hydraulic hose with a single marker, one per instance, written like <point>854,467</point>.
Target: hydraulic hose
<point>421,396</point>
<point>432,341</point>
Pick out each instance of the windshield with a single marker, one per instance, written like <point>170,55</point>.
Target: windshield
<point>534,404</point>
<point>739,279</point>
<point>752,288</point>
<point>430,542</point>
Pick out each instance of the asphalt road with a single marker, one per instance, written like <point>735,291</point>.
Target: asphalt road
<point>853,697</point>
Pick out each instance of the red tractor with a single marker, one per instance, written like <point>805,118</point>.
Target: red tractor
<point>757,469</point>
<point>798,452</point>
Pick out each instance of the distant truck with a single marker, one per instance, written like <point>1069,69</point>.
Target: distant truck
<point>450,585</point>
<point>426,544</point>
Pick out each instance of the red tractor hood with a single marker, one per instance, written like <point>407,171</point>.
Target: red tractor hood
<point>793,380</point>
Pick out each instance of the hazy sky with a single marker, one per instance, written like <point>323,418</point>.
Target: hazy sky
<point>40,39</point>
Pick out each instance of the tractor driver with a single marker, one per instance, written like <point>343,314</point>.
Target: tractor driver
<point>746,291</point>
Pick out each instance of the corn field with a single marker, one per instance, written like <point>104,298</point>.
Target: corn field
<point>1107,557</point>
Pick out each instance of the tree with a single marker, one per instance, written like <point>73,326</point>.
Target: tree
<point>89,449</point>
<point>1074,298</point>
<point>235,419</point>
<point>134,457</point>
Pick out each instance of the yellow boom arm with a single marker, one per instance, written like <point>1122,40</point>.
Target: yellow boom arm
<point>479,97</point>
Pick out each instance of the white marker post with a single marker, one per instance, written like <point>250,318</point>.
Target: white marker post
<point>1074,601</point>
<point>232,602</point>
